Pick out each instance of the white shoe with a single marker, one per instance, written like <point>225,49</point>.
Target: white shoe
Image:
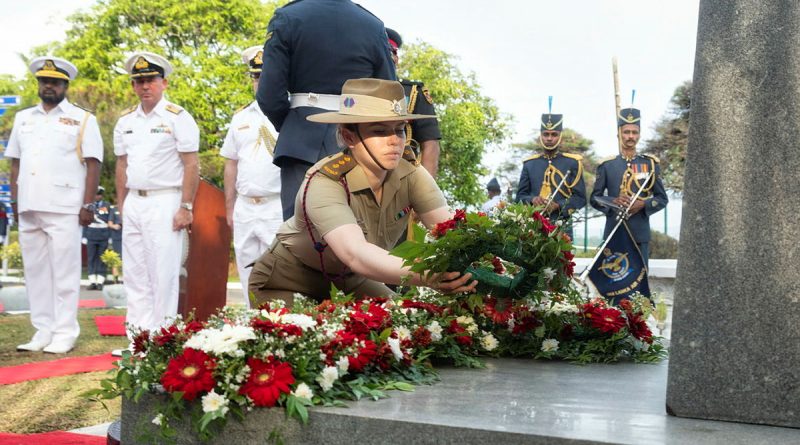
<point>60,347</point>
<point>37,343</point>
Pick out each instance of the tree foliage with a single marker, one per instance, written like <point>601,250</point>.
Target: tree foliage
<point>202,40</point>
<point>672,137</point>
<point>469,121</point>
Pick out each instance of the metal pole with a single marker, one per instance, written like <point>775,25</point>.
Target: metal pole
<point>585,229</point>
<point>665,219</point>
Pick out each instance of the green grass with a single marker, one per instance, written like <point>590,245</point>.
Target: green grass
<point>55,403</point>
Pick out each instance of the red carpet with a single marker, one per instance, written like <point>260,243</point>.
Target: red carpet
<point>110,324</point>
<point>91,303</point>
<point>54,368</point>
<point>55,437</point>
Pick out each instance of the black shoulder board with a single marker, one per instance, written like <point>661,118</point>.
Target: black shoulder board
<point>338,166</point>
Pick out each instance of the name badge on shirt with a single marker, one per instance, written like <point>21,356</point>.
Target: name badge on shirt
<point>244,127</point>
<point>127,132</point>
<point>161,129</point>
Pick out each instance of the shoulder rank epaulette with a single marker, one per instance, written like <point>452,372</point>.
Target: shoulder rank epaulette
<point>604,160</point>
<point>532,157</point>
<point>84,109</point>
<point>338,166</point>
<point>411,82</point>
<point>174,109</point>
<point>654,158</point>
<point>574,156</point>
<point>129,110</point>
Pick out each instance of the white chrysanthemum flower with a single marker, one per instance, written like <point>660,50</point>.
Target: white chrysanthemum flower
<point>303,391</point>
<point>328,376</point>
<point>550,345</point>
<point>343,364</point>
<point>436,330</point>
<point>465,320</point>
<point>213,402</point>
<point>158,419</point>
<point>559,308</point>
<point>488,342</point>
<point>539,332</point>
<point>473,328</point>
<point>548,273</point>
<point>403,333</point>
<point>302,321</point>
<point>394,345</point>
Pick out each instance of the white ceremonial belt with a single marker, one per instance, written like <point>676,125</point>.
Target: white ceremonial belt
<point>98,226</point>
<point>329,102</point>
<point>155,192</point>
<point>254,199</point>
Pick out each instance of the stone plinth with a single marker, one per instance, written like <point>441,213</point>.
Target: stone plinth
<point>735,347</point>
<point>509,402</point>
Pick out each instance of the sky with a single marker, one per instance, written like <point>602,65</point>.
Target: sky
<point>521,51</point>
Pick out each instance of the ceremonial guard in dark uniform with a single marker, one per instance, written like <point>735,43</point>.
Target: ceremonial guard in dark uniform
<point>115,229</point>
<point>96,235</point>
<point>542,174</point>
<point>421,135</point>
<point>621,176</point>
<point>312,47</point>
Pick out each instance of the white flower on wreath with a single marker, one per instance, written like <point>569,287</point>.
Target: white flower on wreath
<point>394,345</point>
<point>302,321</point>
<point>213,402</point>
<point>327,377</point>
<point>465,320</point>
<point>548,273</point>
<point>158,419</point>
<point>220,341</point>
<point>303,391</point>
<point>436,330</point>
<point>550,345</point>
<point>488,342</point>
<point>343,364</point>
<point>403,332</point>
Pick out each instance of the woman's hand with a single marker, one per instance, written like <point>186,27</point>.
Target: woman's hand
<point>451,282</point>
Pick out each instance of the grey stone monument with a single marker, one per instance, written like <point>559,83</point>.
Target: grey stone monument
<point>735,352</point>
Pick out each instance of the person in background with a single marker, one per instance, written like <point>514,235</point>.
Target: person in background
<point>493,189</point>
<point>312,48</point>
<point>96,236</point>
<point>252,181</point>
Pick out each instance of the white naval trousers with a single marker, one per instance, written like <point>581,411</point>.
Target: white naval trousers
<point>254,228</point>
<point>51,253</point>
<point>151,258</point>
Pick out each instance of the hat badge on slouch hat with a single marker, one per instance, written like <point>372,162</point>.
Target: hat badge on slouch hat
<point>369,100</point>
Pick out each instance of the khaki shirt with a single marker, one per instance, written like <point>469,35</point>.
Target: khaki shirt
<point>406,188</point>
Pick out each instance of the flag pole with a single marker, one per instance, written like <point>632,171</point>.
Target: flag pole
<point>621,216</point>
<point>617,100</point>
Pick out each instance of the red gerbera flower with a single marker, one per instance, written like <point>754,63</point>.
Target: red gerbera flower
<point>190,373</point>
<point>639,329</point>
<point>375,318</point>
<point>607,320</point>
<point>498,311</point>
<point>267,381</point>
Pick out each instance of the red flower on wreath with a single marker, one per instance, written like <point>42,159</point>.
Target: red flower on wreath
<point>360,352</point>
<point>190,373</point>
<point>140,342</point>
<point>639,329</point>
<point>193,327</point>
<point>606,319</point>
<point>166,335</point>
<point>422,337</point>
<point>499,314</point>
<point>375,318</point>
<point>429,307</point>
<point>461,334</point>
<point>267,381</point>
<point>547,226</point>
<point>440,229</point>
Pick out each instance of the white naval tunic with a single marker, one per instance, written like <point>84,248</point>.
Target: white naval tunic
<point>50,189</point>
<point>257,213</point>
<point>151,250</point>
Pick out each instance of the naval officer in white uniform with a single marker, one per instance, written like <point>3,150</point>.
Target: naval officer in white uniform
<point>252,181</point>
<point>157,175</point>
<point>56,151</point>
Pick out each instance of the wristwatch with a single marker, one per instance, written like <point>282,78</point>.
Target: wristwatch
<point>187,206</point>
<point>89,206</point>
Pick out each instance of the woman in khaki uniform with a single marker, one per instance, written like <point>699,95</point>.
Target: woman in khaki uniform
<point>355,205</point>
